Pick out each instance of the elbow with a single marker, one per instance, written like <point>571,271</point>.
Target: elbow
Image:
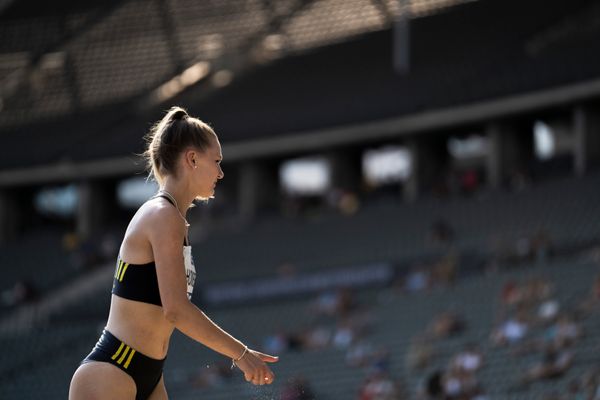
<point>172,313</point>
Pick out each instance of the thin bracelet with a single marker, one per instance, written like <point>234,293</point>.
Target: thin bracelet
<point>234,360</point>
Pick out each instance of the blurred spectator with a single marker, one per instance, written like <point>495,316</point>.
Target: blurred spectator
<point>470,359</point>
<point>536,290</point>
<point>359,354</point>
<point>379,386</point>
<point>419,354</point>
<point>575,391</point>
<point>276,343</point>
<point>452,384</point>
<point>541,246</point>
<point>344,335</point>
<point>344,201</point>
<point>446,324</point>
<point>432,388</point>
<point>511,331</point>
<point>444,271</point>
<point>592,302</point>
<point>527,294</point>
<point>555,363</point>
<point>295,341</point>
<point>70,241</point>
<point>317,337</point>
<point>418,279</point>
<point>460,384</point>
<point>469,181</point>
<point>22,292</point>
<point>380,360</point>
<point>536,247</point>
<point>565,332</point>
<point>510,294</point>
<point>297,388</point>
<point>548,310</point>
<point>211,375</point>
<point>590,383</point>
<point>349,203</point>
<point>441,232</point>
<point>335,302</point>
<point>326,303</point>
<point>364,354</point>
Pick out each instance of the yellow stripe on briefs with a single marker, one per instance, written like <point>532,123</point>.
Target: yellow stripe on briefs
<point>123,272</point>
<point>120,360</point>
<point>118,351</point>
<point>129,358</point>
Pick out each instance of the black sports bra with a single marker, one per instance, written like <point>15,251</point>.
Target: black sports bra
<point>139,282</point>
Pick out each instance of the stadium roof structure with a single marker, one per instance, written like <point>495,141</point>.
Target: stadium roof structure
<point>282,71</point>
<point>71,56</point>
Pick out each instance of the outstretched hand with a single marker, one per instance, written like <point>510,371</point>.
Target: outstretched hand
<point>253,365</point>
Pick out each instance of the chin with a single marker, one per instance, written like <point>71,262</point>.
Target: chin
<point>206,196</point>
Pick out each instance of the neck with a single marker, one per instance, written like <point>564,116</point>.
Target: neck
<point>182,197</point>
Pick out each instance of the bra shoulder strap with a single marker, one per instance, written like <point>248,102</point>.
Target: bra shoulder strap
<point>164,197</point>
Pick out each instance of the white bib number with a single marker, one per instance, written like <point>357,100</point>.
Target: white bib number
<point>190,270</point>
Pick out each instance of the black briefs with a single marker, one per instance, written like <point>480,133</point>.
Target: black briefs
<point>145,371</point>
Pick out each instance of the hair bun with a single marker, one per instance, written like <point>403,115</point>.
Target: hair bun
<point>177,113</point>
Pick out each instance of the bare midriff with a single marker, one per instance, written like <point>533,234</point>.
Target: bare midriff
<point>142,326</point>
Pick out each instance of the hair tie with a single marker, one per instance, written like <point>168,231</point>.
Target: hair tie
<point>179,114</point>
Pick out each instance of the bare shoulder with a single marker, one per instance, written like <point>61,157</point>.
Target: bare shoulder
<point>162,220</point>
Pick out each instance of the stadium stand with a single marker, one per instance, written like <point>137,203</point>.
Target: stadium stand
<point>480,223</point>
<point>396,318</point>
<point>22,266</point>
<point>332,241</point>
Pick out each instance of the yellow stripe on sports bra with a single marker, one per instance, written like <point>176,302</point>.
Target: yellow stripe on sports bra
<point>119,269</point>
<point>120,360</point>
<point>129,359</point>
<point>118,351</point>
<point>123,272</point>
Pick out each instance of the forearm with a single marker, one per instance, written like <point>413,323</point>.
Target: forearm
<point>192,322</point>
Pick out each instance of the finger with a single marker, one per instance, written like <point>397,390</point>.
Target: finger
<point>256,377</point>
<point>267,357</point>
<point>269,378</point>
<point>248,377</point>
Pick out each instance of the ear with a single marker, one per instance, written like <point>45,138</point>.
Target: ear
<point>191,158</point>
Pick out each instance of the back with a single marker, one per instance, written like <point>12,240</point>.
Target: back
<point>142,324</point>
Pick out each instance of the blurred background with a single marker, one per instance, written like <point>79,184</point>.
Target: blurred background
<point>411,202</point>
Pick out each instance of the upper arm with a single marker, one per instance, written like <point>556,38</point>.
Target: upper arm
<point>166,234</point>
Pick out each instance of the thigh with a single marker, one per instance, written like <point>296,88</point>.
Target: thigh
<point>99,380</point>
<point>159,392</point>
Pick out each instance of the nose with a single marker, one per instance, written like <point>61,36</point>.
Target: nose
<point>221,173</point>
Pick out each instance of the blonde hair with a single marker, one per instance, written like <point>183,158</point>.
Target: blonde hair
<point>169,137</point>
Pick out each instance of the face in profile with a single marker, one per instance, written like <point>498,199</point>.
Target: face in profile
<point>208,171</point>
